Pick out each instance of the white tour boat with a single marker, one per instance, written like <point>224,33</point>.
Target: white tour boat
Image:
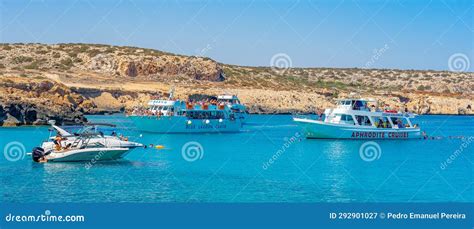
<point>176,116</point>
<point>352,119</point>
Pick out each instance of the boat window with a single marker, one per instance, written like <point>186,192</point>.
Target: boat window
<point>360,105</point>
<point>363,120</point>
<point>400,122</point>
<point>382,122</point>
<point>347,102</point>
<point>347,119</point>
<point>205,115</point>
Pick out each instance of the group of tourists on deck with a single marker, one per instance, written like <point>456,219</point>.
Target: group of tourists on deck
<point>386,124</point>
<point>190,105</point>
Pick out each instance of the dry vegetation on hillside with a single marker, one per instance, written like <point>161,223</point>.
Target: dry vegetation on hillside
<point>91,78</point>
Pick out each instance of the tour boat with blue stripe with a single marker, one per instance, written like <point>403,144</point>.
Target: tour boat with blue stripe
<point>353,119</point>
<point>177,116</point>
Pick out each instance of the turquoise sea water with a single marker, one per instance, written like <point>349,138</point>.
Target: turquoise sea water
<point>266,162</point>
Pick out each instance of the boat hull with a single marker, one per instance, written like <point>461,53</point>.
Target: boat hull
<point>177,124</point>
<point>88,154</point>
<point>319,129</point>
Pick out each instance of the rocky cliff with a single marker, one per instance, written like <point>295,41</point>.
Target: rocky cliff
<point>33,101</point>
<point>65,81</point>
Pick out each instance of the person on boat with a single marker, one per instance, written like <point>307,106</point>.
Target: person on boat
<point>380,124</point>
<point>114,133</point>
<point>400,124</point>
<point>57,141</point>
<point>372,108</point>
<point>123,138</point>
<point>320,114</point>
<point>385,124</point>
<point>400,110</point>
<point>356,105</point>
<point>367,122</point>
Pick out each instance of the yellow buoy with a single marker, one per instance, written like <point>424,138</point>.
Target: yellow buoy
<point>160,147</point>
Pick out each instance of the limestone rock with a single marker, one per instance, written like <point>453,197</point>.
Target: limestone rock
<point>10,120</point>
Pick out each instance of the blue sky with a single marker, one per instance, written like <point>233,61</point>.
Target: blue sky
<point>408,34</point>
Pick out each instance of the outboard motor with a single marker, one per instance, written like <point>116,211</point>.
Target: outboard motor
<point>37,154</point>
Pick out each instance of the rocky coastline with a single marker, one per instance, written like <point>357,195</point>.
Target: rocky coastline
<point>65,82</point>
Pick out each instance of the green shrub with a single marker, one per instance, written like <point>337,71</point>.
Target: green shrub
<point>33,65</point>
<point>41,52</point>
<point>22,59</point>
<point>66,64</point>
<point>109,50</point>
<point>93,52</point>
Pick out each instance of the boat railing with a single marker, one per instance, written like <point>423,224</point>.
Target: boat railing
<point>308,116</point>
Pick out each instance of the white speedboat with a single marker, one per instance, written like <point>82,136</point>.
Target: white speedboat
<point>352,119</point>
<point>85,145</point>
<point>94,138</point>
<point>78,154</point>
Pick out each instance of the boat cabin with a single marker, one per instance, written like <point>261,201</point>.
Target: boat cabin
<point>353,104</point>
<point>228,99</point>
<point>163,107</point>
<point>357,112</point>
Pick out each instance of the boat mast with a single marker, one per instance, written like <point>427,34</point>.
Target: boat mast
<point>171,93</point>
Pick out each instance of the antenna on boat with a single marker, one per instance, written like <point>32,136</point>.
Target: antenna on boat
<point>171,93</point>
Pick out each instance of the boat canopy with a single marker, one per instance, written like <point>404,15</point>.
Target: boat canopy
<point>161,102</point>
<point>86,128</point>
<point>99,124</point>
<point>61,131</point>
<point>229,97</point>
